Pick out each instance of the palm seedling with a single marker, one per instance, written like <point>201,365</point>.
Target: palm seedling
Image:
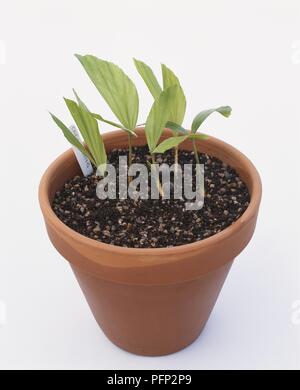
<point>117,90</point>
<point>88,127</point>
<point>192,135</point>
<point>156,121</point>
<point>177,111</point>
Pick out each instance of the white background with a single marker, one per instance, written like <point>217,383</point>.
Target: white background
<point>245,54</point>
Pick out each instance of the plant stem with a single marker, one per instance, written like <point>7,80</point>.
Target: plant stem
<point>153,158</point>
<point>159,187</point>
<point>196,152</point>
<point>129,150</point>
<point>129,154</point>
<point>198,166</point>
<point>176,159</point>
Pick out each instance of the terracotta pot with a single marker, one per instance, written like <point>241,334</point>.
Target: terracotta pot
<point>151,301</point>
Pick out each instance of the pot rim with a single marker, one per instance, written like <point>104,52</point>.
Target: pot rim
<point>154,253</point>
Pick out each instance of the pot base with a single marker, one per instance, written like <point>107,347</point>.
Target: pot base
<point>149,353</point>
<point>152,320</point>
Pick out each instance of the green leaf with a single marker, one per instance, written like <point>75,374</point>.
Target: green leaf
<point>114,124</point>
<point>99,117</point>
<point>83,122</point>
<point>176,128</point>
<point>89,130</point>
<point>71,138</point>
<point>200,118</point>
<point>179,107</point>
<point>149,78</point>
<point>158,116</point>
<point>79,101</point>
<point>116,88</point>
<point>198,136</point>
<point>170,143</point>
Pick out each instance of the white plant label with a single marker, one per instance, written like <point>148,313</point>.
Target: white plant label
<point>84,162</point>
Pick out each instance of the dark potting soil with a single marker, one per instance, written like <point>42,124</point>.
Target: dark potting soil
<point>153,223</point>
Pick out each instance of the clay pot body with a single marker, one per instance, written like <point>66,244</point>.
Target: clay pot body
<point>151,301</point>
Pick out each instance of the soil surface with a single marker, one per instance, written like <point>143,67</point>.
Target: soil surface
<point>153,223</point>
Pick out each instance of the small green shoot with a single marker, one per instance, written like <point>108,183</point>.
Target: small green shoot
<point>89,130</point>
<point>158,116</point>
<point>169,79</point>
<point>157,119</point>
<point>200,118</point>
<point>192,135</point>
